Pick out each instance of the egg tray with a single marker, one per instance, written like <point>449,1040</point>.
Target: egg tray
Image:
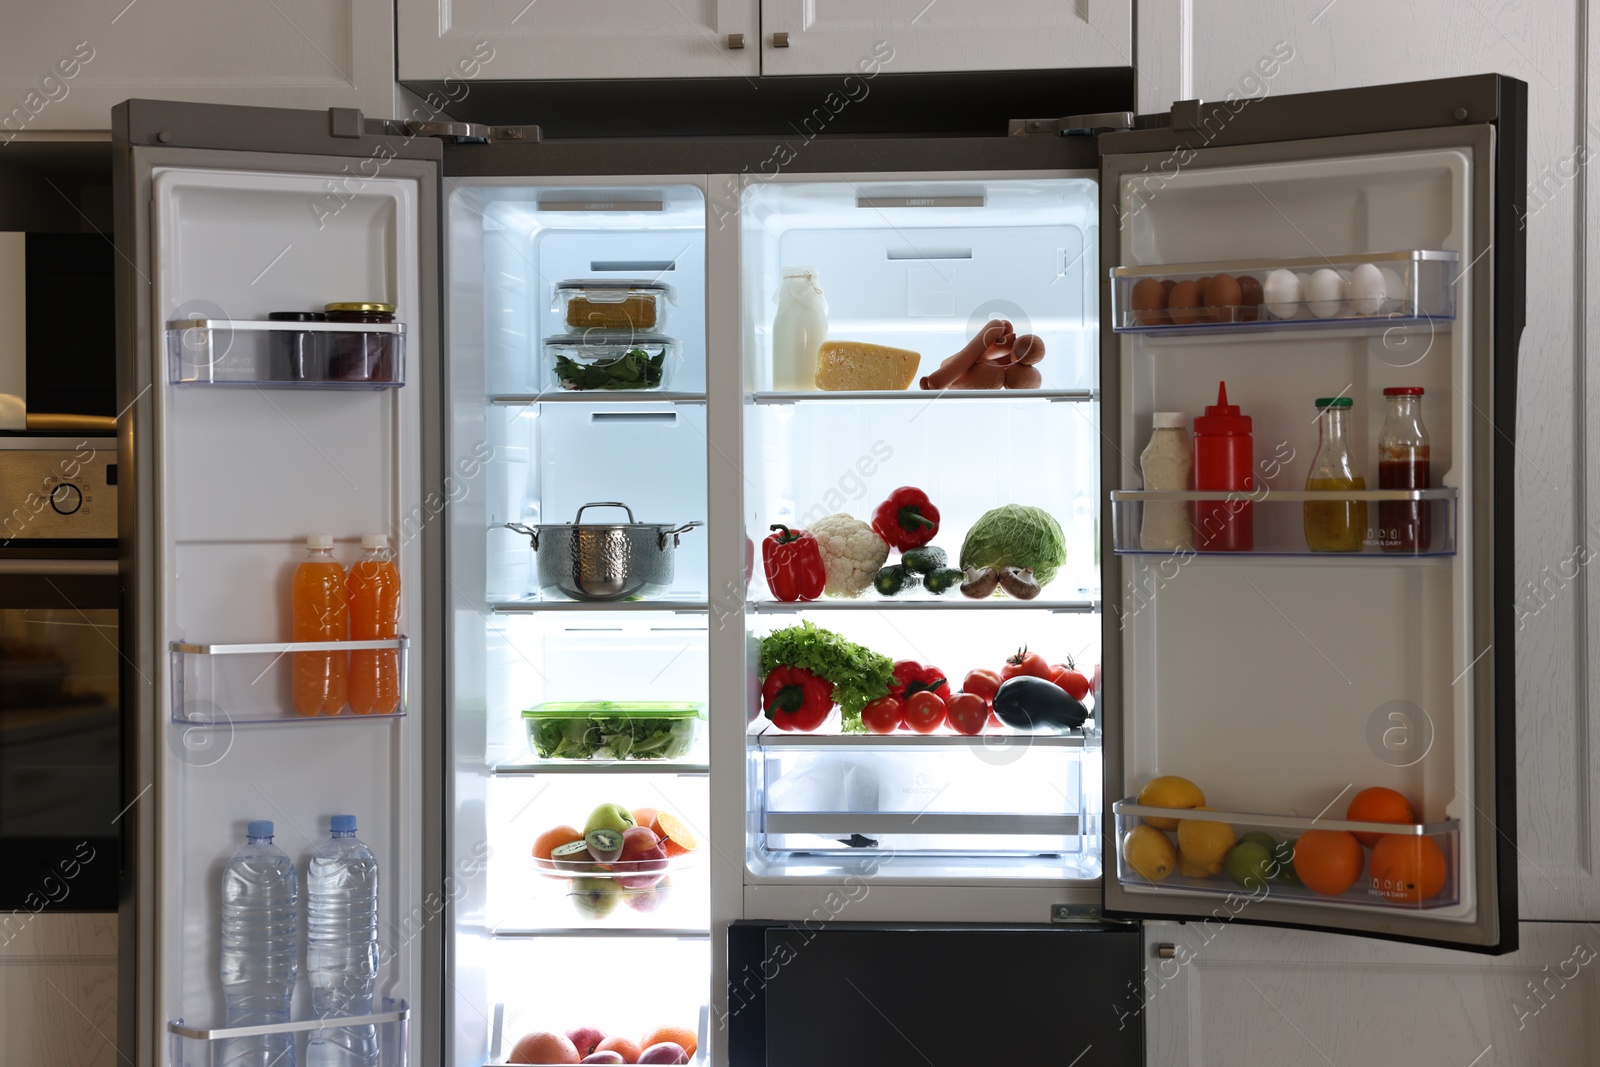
<point>1375,291</point>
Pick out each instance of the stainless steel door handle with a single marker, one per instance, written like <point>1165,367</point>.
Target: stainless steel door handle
<point>780,40</point>
<point>735,40</point>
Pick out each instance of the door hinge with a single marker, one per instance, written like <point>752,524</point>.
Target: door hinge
<point>1069,125</point>
<point>1083,913</point>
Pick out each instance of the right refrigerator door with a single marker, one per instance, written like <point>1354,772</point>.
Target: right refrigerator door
<point>1312,308</point>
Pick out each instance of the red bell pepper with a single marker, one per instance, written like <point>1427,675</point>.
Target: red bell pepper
<point>793,562</point>
<point>912,677</point>
<point>906,520</point>
<point>795,699</point>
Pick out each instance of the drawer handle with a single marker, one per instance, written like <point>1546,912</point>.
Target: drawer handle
<point>780,40</point>
<point>735,40</point>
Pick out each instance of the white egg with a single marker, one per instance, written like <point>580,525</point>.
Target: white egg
<point>1367,290</point>
<point>1281,294</point>
<point>1325,294</point>
<point>1305,290</point>
<point>1395,288</point>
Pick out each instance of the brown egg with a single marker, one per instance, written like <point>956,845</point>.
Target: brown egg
<point>1149,300</point>
<point>1222,297</point>
<point>1249,299</point>
<point>1184,305</point>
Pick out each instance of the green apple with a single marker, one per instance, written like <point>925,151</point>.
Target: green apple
<point>608,817</point>
<point>595,898</point>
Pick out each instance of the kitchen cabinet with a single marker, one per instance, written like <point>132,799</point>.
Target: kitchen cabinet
<point>1211,51</point>
<point>836,36</point>
<point>64,65</point>
<point>550,39</point>
<point>1262,997</point>
<point>58,989</point>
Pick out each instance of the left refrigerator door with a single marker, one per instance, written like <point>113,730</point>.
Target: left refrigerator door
<point>277,342</point>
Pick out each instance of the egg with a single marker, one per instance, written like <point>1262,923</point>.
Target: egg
<point>1149,301</point>
<point>1184,303</point>
<point>1367,290</point>
<point>1325,295</point>
<point>1305,290</point>
<point>1281,294</point>
<point>1396,291</point>
<point>1223,297</point>
<point>1249,299</point>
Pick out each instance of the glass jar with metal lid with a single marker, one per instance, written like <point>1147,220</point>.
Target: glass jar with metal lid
<point>363,357</point>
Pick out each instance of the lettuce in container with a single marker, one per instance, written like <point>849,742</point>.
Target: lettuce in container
<point>613,730</point>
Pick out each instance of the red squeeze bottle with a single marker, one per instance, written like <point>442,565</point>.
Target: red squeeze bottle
<point>1224,459</point>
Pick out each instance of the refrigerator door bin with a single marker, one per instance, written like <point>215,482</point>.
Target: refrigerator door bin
<point>1437,855</point>
<point>291,355</point>
<point>1376,291</point>
<point>197,1047</point>
<point>1279,519</point>
<point>234,684</point>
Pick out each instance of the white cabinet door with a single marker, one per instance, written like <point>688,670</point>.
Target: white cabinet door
<point>836,36</point>
<point>547,39</point>
<point>1259,997</point>
<point>65,64</point>
<point>1208,51</point>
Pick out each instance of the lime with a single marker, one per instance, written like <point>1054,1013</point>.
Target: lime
<point>1260,837</point>
<point>1249,864</point>
<point>1283,860</point>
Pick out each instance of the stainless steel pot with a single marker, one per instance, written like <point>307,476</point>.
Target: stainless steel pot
<point>600,562</point>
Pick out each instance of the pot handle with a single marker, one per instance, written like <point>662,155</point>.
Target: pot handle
<point>673,533</point>
<point>603,504</point>
<point>532,534</point>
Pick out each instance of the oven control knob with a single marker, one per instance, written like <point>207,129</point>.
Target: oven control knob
<point>66,498</point>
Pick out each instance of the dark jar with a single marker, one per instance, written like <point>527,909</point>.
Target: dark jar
<point>362,357</point>
<point>297,355</point>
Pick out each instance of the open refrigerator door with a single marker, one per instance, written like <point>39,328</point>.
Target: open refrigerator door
<point>1311,638</point>
<point>263,410</point>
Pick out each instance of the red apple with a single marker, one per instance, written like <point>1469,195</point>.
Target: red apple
<point>585,1038</point>
<point>648,900</point>
<point>642,860</point>
<point>665,1052</point>
<point>543,1047</point>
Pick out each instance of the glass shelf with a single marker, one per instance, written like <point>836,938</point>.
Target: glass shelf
<point>1373,292</point>
<point>286,355</point>
<point>592,396</point>
<point>532,766</point>
<point>1366,892</point>
<point>924,395</point>
<point>953,600</point>
<point>1278,519</point>
<point>191,1046</point>
<point>997,739</point>
<point>682,607</point>
<point>224,685</point>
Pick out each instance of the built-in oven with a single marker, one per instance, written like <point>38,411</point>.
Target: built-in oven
<point>61,727</point>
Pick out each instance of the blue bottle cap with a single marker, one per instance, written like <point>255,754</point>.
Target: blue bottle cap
<point>259,828</point>
<point>344,824</point>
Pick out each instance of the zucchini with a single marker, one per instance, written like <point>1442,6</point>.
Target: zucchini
<point>924,560</point>
<point>894,580</point>
<point>943,579</point>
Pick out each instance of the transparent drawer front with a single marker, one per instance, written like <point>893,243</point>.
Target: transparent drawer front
<point>1286,858</point>
<point>285,681</point>
<point>193,1046</point>
<point>1000,795</point>
<point>1376,290</point>
<point>1389,523</point>
<point>300,355</point>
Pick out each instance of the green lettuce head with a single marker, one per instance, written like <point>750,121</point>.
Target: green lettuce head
<point>1016,536</point>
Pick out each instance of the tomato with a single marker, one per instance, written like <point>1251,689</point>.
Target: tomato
<point>925,712</point>
<point>981,683</point>
<point>883,716</point>
<point>1073,681</point>
<point>1025,662</point>
<point>968,712</point>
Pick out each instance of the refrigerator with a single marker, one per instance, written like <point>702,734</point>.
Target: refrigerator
<point>1279,681</point>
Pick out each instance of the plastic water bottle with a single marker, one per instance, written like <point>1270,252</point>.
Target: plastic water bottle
<point>342,946</point>
<point>260,947</point>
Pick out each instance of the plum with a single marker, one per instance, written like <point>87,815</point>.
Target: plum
<point>585,1038</point>
<point>665,1052</point>
<point>603,1057</point>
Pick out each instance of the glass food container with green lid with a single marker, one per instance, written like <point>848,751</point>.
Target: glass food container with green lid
<point>613,730</point>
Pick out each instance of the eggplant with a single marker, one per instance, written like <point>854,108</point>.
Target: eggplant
<point>1038,704</point>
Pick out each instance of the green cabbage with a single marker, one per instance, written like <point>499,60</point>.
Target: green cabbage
<point>1016,536</point>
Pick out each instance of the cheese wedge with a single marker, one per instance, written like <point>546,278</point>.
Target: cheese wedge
<point>858,365</point>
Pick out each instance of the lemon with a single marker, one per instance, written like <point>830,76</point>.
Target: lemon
<point>1150,852</point>
<point>1169,791</point>
<point>1203,846</point>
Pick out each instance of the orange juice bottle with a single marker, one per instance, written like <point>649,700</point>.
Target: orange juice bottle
<point>374,615</point>
<point>320,614</point>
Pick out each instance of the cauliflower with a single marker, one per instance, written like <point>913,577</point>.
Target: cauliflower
<point>851,553</point>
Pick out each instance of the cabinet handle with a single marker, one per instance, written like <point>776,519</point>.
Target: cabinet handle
<point>735,40</point>
<point>1166,951</point>
<point>780,40</point>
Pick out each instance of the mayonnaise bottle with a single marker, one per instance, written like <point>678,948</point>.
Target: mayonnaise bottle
<point>1166,463</point>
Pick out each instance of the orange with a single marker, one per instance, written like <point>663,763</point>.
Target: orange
<point>1378,805</point>
<point>551,840</point>
<point>1328,861</point>
<point>628,1050</point>
<point>1408,869</point>
<point>676,838</point>
<point>684,1039</point>
<point>645,816</point>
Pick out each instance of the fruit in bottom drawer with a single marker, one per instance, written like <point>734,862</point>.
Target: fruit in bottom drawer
<point>1169,791</point>
<point>677,1035</point>
<point>1150,852</point>
<point>595,898</point>
<point>586,1039</point>
<point>1203,846</point>
<point>543,1047</point>
<point>1250,864</point>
